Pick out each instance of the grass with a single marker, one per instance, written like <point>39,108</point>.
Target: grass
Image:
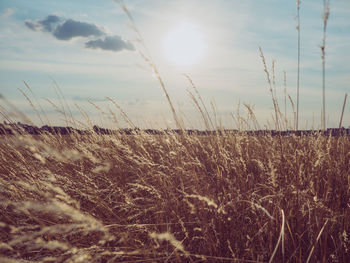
<point>326,13</point>
<point>175,197</point>
<point>298,67</point>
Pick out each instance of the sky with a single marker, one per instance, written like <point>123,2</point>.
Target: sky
<point>91,51</point>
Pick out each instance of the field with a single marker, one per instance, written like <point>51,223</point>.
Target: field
<point>133,195</point>
<point>174,198</point>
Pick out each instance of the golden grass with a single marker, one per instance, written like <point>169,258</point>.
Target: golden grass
<point>175,198</point>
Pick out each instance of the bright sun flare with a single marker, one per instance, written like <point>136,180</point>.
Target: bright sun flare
<point>184,45</point>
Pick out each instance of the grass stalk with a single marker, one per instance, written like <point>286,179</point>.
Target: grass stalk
<point>270,89</point>
<point>145,55</point>
<point>342,112</point>
<point>318,237</point>
<point>207,117</point>
<point>285,96</point>
<point>298,69</point>
<point>280,238</point>
<point>326,12</point>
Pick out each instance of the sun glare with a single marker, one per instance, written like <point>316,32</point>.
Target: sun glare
<point>184,45</point>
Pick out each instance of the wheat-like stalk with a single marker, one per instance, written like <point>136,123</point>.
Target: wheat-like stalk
<point>326,12</point>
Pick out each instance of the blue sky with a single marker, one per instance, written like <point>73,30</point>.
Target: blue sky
<point>88,48</point>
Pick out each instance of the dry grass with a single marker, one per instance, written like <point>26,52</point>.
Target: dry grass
<point>174,198</point>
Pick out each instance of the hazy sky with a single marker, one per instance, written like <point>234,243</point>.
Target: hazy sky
<point>89,49</point>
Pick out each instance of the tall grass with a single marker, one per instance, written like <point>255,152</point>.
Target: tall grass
<point>175,197</point>
<point>298,66</point>
<point>326,13</point>
<point>130,198</point>
<point>145,54</point>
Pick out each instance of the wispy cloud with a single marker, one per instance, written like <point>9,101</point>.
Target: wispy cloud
<point>43,25</point>
<point>7,13</point>
<point>94,99</point>
<point>113,43</point>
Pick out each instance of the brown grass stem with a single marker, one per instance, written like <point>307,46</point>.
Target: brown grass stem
<point>298,66</point>
<point>342,111</point>
<point>326,12</point>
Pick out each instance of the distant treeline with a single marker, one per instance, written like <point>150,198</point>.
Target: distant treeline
<point>20,128</point>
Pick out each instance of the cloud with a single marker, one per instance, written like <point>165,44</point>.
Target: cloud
<point>112,43</point>
<point>7,13</point>
<point>71,28</point>
<point>33,25</point>
<point>136,102</point>
<point>84,99</point>
<point>43,25</point>
<point>48,21</point>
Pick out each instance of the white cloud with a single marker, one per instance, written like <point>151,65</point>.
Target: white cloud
<point>7,13</point>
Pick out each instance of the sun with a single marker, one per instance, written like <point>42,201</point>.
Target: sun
<point>184,45</point>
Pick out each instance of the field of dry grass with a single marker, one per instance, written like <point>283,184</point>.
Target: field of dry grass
<point>174,198</point>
